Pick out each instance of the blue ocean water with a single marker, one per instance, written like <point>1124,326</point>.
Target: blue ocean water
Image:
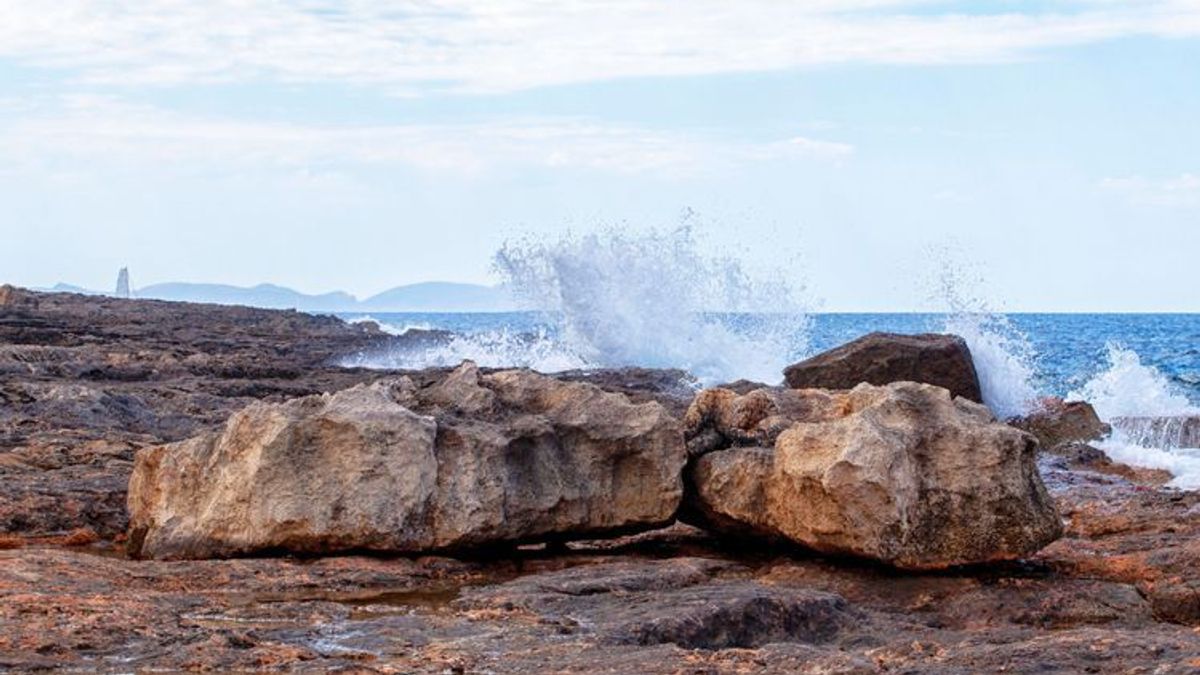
<point>1066,350</point>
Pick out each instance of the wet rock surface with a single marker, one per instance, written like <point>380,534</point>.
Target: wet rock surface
<point>667,602</point>
<point>883,358</point>
<point>1118,593</point>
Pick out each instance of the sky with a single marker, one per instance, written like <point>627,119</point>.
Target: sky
<point>1053,147</point>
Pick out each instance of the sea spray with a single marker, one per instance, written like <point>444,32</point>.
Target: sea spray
<point>1004,357</point>
<point>1128,388</point>
<point>387,327</point>
<point>538,349</point>
<point>654,299</point>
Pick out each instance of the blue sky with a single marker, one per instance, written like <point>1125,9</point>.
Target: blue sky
<point>1051,146</point>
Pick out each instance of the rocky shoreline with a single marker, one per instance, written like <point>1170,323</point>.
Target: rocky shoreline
<point>86,383</point>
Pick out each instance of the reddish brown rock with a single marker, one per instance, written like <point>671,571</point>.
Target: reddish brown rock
<point>882,358</point>
<point>1149,538</point>
<point>1056,421</point>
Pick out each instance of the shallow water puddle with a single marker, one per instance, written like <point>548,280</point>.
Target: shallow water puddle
<point>402,602</point>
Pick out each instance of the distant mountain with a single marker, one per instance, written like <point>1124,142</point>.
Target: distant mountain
<point>443,296</point>
<point>263,295</point>
<point>432,296</point>
<point>68,288</point>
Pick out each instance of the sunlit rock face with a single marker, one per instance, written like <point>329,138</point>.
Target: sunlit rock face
<point>466,461</point>
<point>903,473</point>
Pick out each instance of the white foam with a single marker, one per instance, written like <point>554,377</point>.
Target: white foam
<point>1130,388</point>
<point>389,328</point>
<point>1183,463</point>
<point>502,348</point>
<point>1004,360</point>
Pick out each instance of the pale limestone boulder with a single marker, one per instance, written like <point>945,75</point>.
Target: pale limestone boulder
<point>901,473</point>
<point>467,461</point>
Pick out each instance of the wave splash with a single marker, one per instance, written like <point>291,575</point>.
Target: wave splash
<point>654,300</point>
<point>1005,359</point>
<point>537,349</point>
<point>1128,388</point>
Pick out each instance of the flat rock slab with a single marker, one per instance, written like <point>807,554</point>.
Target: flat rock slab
<point>678,601</point>
<point>583,610</point>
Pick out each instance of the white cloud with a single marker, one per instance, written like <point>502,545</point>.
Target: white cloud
<point>412,46</point>
<point>1182,190</point>
<point>95,128</point>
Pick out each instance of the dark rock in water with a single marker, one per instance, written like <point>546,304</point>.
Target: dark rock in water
<point>1056,421</point>
<point>393,352</point>
<point>882,358</point>
<point>1181,431</point>
<point>903,474</point>
<point>471,460</point>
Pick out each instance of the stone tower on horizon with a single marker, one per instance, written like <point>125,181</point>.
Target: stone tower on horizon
<point>123,284</point>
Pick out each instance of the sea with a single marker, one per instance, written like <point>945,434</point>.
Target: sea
<point>1126,365</point>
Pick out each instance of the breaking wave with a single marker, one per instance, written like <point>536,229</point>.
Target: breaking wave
<point>1147,413</point>
<point>1005,359</point>
<point>654,300</point>
<point>538,349</point>
<point>1130,388</point>
<point>614,299</point>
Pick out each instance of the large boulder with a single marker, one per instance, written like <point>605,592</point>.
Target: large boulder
<point>883,358</point>
<point>465,461</point>
<point>1055,422</point>
<point>904,473</point>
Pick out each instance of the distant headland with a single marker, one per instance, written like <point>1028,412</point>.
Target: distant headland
<point>430,296</point>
